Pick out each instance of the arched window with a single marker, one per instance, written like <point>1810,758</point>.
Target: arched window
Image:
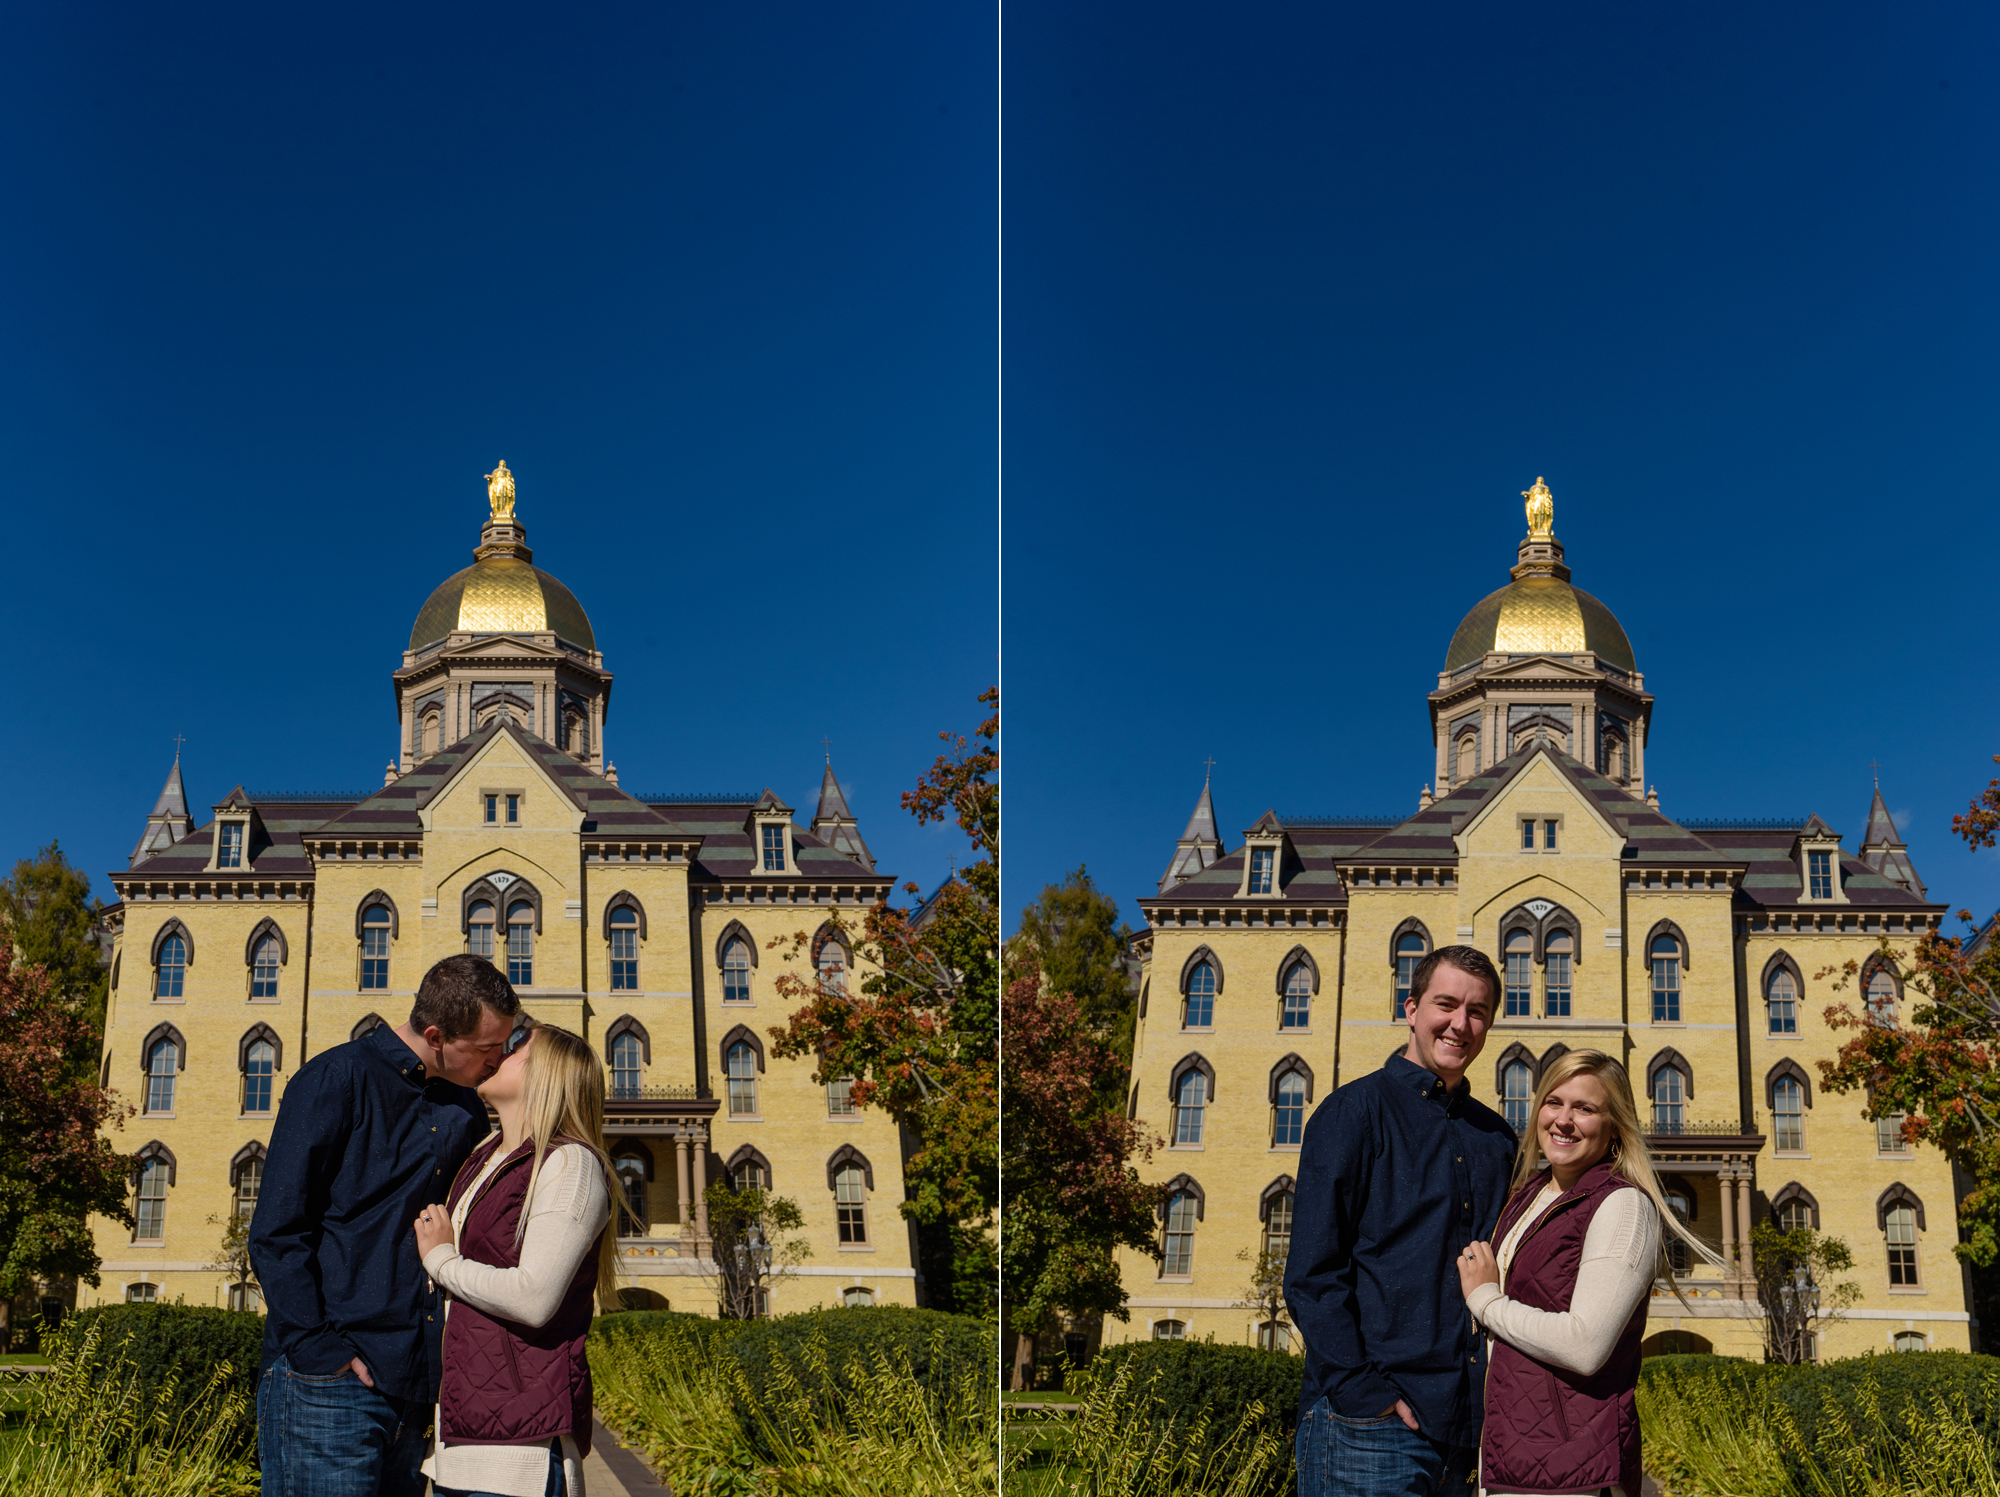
<point>172,968</point>
<point>430,733</point>
<point>1557,950</point>
<point>742,1080</point>
<point>1614,756</point>
<point>1288,1115</point>
<point>1520,955</point>
<point>1679,1256</point>
<point>1911,1341</point>
<point>624,950</point>
<point>1278,1226</point>
<point>626,1074</point>
<point>1177,1241</point>
<point>1788,1113</point>
<point>1517,1093</point>
<point>1666,980</point>
<point>260,1061</point>
<point>840,1097</point>
<point>833,967</point>
<point>1190,1100</point>
<point>748,1170</point>
<point>1794,1215</point>
<point>1670,1091</point>
<point>857,1298</point>
<point>1899,1233</point>
<point>631,1172</point>
<point>1298,998</point>
<point>1163,1330</point>
<point>1198,1012</point>
<point>1409,952</point>
<point>1781,998</point>
<point>1468,757</point>
<point>479,930</point>
<point>736,972</point>
<point>1882,997</point>
<point>249,1180</point>
<point>142,1294</point>
<point>368,1025</point>
<point>375,950</point>
<point>162,1066</point>
<point>151,1207</point>
<point>264,969</point>
<point>850,1203</point>
<point>521,944</point>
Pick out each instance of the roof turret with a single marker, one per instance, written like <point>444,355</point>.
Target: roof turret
<point>170,820</point>
<point>835,825</point>
<point>1199,846</point>
<point>1883,850</point>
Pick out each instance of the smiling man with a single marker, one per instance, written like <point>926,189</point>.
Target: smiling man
<point>1400,1171</point>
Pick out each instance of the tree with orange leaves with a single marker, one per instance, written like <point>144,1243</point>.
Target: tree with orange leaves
<point>921,1037</point>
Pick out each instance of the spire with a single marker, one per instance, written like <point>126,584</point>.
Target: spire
<point>835,825</point>
<point>1199,847</point>
<point>1883,850</point>
<point>170,820</point>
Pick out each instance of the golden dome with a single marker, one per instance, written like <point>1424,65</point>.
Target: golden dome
<point>1540,616</point>
<point>502,595</point>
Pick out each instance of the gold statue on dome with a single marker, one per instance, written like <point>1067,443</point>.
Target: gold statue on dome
<point>1541,508</point>
<point>500,492</point>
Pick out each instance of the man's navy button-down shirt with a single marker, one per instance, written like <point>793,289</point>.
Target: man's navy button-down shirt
<point>362,1143</point>
<point>1397,1175</point>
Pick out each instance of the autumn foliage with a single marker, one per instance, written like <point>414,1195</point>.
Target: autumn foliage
<point>920,1036</point>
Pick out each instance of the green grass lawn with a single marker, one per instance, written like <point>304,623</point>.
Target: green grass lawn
<point>1044,1396</point>
<point>23,1359</point>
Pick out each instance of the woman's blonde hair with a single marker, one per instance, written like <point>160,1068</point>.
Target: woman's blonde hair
<point>563,1094</point>
<point>1628,1155</point>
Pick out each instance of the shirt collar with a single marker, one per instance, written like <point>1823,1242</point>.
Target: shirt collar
<point>400,1057</point>
<point>1426,1084</point>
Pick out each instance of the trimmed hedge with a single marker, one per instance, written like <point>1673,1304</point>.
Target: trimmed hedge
<point>185,1342</point>
<point>939,1348</point>
<point>1207,1377</point>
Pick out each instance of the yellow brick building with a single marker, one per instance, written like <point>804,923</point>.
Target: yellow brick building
<point>287,923</point>
<point>1691,949</point>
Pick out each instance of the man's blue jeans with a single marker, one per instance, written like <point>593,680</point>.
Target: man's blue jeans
<point>1378,1458</point>
<point>337,1437</point>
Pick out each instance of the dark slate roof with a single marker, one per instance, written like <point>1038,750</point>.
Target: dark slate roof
<point>729,847</point>
<point>392,810</point>
<point>277,849</point>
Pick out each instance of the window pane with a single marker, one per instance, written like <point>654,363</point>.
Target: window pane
<point>264,971</point>
<point>1666,985</point>
<point>1783,1000</point>
<point>774,849</point>
<point>229,848</point>
<point>161,1067</point>
<point>492,808</point>
<point>1190,1098</point>
<point>624,957</point>
<point>1669,1099</point>
<point>513,808</point>
<point>1518,1094</point>
<point>1520,979</point>
<point>742,1080</point>
<point>1889,1137</point>
<point>249,1180</point>
<point>736,973</point>
<point>1882,998</point>
<point>259,1064</point>
<point>1289,1127</point>
<point>1794,1216</point>
<point>1409,952</point>
<point>849,1205</point>
<point>173,967</point>
<point>1261,861</point>
<point>1298,998</point>
<point>152,1204</point>
<point>375,950</point>
<point>521,945</point>
<point>1556,998</point>
<point>1788,1113</point>
<point>1178,1239</point>
<point>625,1070</point>
<point>1527,836</point>
<point>1200,997</point>
<point>1900,1230</point>
<point>1549,835</point>
<point>840,1097</point>
<point>1278,1225</point>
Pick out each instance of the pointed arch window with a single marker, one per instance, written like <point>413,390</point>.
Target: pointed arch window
<point>1670,1095</point>
<point>1411,948</point>
<point>260,1064</point>
<point>832,963</point>
<point>1288,1112</point>
<point>479,930</point>
<point>627,1071</point>
<point>736,971</point>
<point>1278,1224</point>
<point>742,1070</point>
<point>850,1205</point>
<point>1881,997</point>
<point>1298,998</point>
<point>171,973</point>
<point>1190,1105</point>
<point>264,969</point>
<point>1520,957</point>
<point>375,950</point>
<point>1177,1235</point>
<point>162,1070</point>
<point>1781,998</point>
<point>1666,960</point>
<point>1788,1113</point>
<point>1557,951</point>
<point>1198,1011</point>
<point>624,925</point>
<point>151,1205</point>
<point>1899,1235</point>
<point>521,944</point>
<point>1517,1091</point>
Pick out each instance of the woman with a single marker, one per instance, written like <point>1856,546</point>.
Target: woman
<point>1564,1302</point>
<point>520,1247</point>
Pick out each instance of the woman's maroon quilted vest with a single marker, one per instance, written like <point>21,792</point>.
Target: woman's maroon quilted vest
<point>1547,1429</point>
<point>506,1383</point>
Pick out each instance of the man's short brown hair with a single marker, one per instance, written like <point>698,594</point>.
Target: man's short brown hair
<point>455,990</point>
<point>1468,959</point>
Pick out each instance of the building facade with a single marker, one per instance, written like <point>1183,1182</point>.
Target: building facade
<point>656,926</point>
<point>1692,950</point>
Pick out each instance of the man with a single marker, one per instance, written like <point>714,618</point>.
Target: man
<point>1400,1171</point>
<point>370,1132</point>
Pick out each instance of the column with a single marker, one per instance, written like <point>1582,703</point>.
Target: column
<point>597,733</point>
<point>1443,735</point>
<point>1730,1287</point>
<point>1749,1269</point>
<point>409,754</point>
<point>701,1186</point>
<point>1585,746</point>
<point>681,1174</point>
<point>1639,756</point>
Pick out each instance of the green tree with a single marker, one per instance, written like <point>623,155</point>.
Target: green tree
<point>1082,948</point>
<point>1795,1285</point>
<point>1073,1195</point>
<point>56,1167</point>
<point>921,1037</point>
<point>751,1252</point>
<point>55,925</point>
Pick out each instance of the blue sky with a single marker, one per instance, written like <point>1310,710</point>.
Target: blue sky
<point>1299,299</point>
<point>281,284</point>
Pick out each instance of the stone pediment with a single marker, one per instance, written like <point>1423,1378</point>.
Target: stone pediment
<point>507,645</point>
<point>1541,668</point>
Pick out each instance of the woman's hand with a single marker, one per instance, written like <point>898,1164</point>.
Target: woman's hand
<point>1476,1266</point>
<point>434,1230</point>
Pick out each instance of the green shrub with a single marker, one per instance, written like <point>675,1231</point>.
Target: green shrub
<point>182,1344</point>
<point>1221,1381</point>
<point>1899,1387</point>
<point>940,1349</point>
<point>624,1325</point>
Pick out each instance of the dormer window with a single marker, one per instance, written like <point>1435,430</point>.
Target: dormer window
<point>1819,872</point>
<point>1263,862</point>
<point>774,848</point>
<point>1819,864</point>
<point>229,845</point>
